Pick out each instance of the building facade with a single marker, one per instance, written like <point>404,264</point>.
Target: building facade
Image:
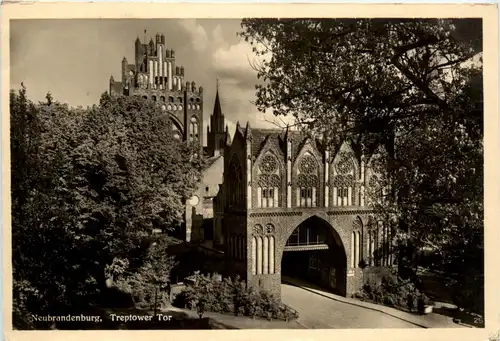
<point>200,219</point>
<point>156,75</point>
<point>288,206</point>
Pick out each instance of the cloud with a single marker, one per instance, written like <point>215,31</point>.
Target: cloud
<point>234,59</point>
<point>233,65</point>
<point>199,38</point>
<point>218,38</point>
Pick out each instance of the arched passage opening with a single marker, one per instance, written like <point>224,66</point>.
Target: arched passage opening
<point>314,253</point>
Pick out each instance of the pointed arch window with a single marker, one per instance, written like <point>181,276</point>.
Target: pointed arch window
<point>307,181</point>
<point>343,182</point>
<point>269,182</point>
<point>372,237</point>
<point>193,129</point>
<point>236,195</point>
<point>263,250</point>
<point>176,131</point>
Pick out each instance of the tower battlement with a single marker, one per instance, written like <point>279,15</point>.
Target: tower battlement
<point>158,76</point>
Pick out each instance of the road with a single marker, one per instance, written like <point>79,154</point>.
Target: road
<point>319,312</point>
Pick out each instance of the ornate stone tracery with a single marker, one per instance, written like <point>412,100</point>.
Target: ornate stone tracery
<point>345,163</point>
<point>258,229</point>
<point>268,164</point>
<point>268,182</point>
<point>344,181</point>
<point>307,180</point>
<point>308,165</point>
<point>269,228</point>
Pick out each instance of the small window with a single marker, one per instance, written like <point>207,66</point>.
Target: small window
<point>154,98</point>
<point>179,99</point>
<point>145,97</point>
<point>191,99</point>
<point>197,100</point>
<point>267,193</point>
<point>171,99</point>
<point>162,98</point>
<point>206,189</point>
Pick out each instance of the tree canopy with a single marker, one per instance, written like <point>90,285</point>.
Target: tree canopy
<point>412,86</point>
<point>88,186</point>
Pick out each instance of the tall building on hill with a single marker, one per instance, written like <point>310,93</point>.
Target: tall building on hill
<point>155,74</point>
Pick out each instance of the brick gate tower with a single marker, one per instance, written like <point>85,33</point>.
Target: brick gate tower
<point>155,74</point>
<point>292,207</point>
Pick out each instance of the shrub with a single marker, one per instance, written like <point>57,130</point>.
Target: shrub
<point>208,293</point>
<point>393,293</point>
<point>388,300</point>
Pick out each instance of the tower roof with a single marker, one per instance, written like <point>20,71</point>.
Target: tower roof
<point>217,107</point>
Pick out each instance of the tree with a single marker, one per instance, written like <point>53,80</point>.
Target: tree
<point>88,186</point>
<point>408,86</point>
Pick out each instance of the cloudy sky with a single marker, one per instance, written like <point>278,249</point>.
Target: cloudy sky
<point>73,59</point>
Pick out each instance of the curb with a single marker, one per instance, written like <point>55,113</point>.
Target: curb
<point>357,305</point>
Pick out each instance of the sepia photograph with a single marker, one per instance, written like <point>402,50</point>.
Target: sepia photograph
<point>247,173</point>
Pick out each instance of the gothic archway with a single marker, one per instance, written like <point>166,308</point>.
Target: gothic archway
<point>314,253</point>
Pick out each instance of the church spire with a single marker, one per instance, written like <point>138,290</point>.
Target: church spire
<point>217,107</point>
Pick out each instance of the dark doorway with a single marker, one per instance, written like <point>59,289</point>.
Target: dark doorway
<point>314,253</point>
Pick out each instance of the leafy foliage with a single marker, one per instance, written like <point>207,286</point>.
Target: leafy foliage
<point>408,90</point>
<point>148,284</point>
<point>209,293</point>
<point>401,294</point>
<point>88,185</point>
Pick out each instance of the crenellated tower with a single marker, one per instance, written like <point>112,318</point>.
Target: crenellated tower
<point>155,75</point>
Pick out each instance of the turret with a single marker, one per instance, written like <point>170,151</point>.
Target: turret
<point>193,86</point>
<point>182,70</point>
<point>124,68</point>
<point>172,53</point>
<point>200,90</point>
<point>177,70</point>
<point>228,137</point>
<point>162,39</point>
<point>248,131</point>
<point>139,53</point>
<point>217,108</point>
<point>158,41</point>
<point>151,47</point>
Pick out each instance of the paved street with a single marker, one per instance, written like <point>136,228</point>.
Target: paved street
<point>317,312</point>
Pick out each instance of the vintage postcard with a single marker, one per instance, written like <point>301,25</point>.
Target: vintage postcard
<point>210,171</point>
